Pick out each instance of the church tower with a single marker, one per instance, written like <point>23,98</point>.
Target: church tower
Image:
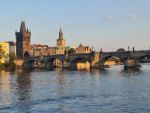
<point>60,40</point>
<point>23,44</point>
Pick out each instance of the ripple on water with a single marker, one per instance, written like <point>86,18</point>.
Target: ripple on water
<point>112,91</point>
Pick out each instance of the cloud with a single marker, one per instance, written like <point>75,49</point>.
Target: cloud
<point>132,17</point>
<point>121,18</point>
<point>108,18</point>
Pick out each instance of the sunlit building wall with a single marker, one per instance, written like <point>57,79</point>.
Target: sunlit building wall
<point>5,49</point>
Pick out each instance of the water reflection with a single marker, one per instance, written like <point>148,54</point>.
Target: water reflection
<point>24,91</point>
<point>5,89</point>
<point>130,72</point>
<point>92,91</point>
<point>61,89</point>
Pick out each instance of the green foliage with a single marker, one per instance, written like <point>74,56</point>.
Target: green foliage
<point>71,50</point>
<point>120,50</point>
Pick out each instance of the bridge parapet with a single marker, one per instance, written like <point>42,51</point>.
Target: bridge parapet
<point>94,58</point>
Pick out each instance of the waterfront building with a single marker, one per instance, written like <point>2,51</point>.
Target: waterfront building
<point>44,50</point>
<point>39,50</point>
<point>83,49</point>
<point>51,50</point>
<point>23,44</point>
<point>6,48</point>
<point>12,47</point>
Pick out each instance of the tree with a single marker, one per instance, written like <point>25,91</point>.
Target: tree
<point>71,50</point>
<point>120,50</point>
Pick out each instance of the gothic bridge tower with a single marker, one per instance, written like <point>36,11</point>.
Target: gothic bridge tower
<point>23,41</point>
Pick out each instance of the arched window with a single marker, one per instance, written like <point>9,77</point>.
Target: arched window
<point>26,54</point>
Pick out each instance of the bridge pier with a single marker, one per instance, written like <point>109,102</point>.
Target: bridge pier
<point>95,59</point>
<point>66,65</point>
<point>28,65</point>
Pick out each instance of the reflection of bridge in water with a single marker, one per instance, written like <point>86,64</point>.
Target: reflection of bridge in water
<point>95,59</point>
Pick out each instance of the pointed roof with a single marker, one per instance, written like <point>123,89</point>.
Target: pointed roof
<point>60,33</point>
<point>80,45</point>
<point>23,27</point>
<point>27,30</point>
<point>60,29</point>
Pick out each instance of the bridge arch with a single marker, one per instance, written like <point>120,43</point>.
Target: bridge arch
<point>80,61</point>
<point>26,54</point>
<point>52,63</point>
<point>28,64</point>
<point>113,60</point>
<point>144,59</point>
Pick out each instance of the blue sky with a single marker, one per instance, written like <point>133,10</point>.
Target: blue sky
<point>107,24</point>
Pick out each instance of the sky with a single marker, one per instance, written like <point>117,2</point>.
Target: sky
<point>107,24</point>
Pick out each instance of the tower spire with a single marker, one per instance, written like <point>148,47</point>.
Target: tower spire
<point>23,27</point>
<point>27,30</point>
<point>60,33</point>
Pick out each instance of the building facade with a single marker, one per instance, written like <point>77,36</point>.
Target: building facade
<point>83,49</point>
<point>6,48</point>
<point>12,47</point>
<point>23,44</point>
<point>39,50</point>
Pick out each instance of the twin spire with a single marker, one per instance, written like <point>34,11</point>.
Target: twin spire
<point>23,28</point>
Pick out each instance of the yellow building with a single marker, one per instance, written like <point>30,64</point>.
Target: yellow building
<point>5,49</point>
<point>4,52</point>
<point>83,49</point>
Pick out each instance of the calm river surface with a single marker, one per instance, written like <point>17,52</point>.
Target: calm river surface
<point>111,91</point>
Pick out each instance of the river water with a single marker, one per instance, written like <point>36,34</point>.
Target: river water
<point>110,91</point>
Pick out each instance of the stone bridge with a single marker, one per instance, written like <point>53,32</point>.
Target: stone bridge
<point>137,55</point>
<point>95,59</point>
